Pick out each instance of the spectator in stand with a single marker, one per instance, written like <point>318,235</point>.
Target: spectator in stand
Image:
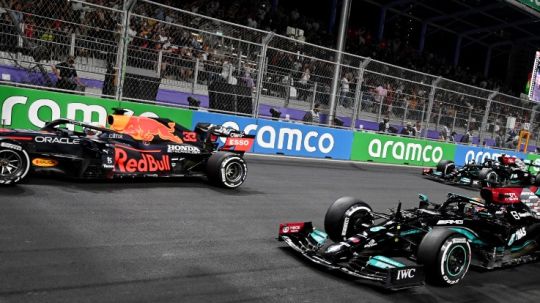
<point>499,139</point>
<point>313,115</point>
<point>418,128</point>
<point>453,136</point>
<point>444,134</point>
<point>67,75</point>
<point>344,92</point>
<point>384,125</point>
<point>380,94</point>
<point>408,130</point>
<point>303,85</point>
<point>466,138</point>
<point>110,81</point>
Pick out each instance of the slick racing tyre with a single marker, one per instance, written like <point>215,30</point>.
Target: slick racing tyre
<point>446,256</point>
<point>446,167</point>
<point>489,175</point>
<point>347,216</point>
<point>14,163</point>
<point>226,169</point>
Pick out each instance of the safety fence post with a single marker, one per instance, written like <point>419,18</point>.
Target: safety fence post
<point>430,104</point>
<point>358,93</point>
<point>262,62</point>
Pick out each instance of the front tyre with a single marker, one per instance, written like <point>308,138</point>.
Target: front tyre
<point>347,216</point>
<point>226,169</point>
<point>14,163</point>
<point>446,167</point>
<point>446,256</point>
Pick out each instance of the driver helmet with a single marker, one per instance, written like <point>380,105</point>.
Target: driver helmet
<point>93,132</point>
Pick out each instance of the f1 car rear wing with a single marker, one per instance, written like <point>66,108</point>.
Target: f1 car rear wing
<point>235,140</point>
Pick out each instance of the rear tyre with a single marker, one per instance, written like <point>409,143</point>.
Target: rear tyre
<point>347,216</point>
<point>446,256</point>
<point>446,167</point>
<point>226,169</point>
<point>489,175</point>
<point>14,163</point>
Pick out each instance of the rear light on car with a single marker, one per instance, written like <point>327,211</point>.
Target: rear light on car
<point>427,170</point>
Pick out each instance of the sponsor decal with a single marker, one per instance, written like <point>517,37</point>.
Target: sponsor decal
<point>56,140</point>
<point>238,144</point>
<point>371,244</point>
<point>183,149</point>
<point>293,139</point>
<point>402,151</point>
<point>290,228</point>
<point>108,162</point>
<point>115,136</point>
<point>399,150</point>
<point>518,235</point>
<point>42,162</point>
<point>236,135</point>
<point>450,222</point>
<point>143,162</point>
<point>466,154</point>
<point>11,146</point>
<point>404,274</point>
<point>31,109</point>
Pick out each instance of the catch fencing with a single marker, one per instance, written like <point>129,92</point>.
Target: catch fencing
<point>150,52</point>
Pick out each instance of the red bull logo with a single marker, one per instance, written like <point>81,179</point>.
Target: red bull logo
<point>145,162</point>
<point>143,128</point>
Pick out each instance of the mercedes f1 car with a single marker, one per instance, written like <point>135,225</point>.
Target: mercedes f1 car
<point>131,147</point>
<point>432,242</point>
<point>505,170</point>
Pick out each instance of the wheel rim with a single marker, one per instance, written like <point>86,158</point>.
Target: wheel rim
<point>10,163</point>
<point>456,260</point>
<point>492,177</point>
<point>234,172</point>
<point>361,217</point>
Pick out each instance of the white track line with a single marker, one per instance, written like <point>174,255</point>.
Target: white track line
<point>250,155</point>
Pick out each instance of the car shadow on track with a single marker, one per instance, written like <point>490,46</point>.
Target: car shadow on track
<point>109,185</point>
<point>509,284</point>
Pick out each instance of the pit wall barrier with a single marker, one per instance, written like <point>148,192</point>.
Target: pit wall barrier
<point>30,109</point>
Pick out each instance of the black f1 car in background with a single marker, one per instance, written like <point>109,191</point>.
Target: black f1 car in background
<point>433,242</point>
<point>505,170</point>
<point>131,147</point>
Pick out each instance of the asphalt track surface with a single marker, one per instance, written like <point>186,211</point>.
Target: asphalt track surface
<point>186,241</point>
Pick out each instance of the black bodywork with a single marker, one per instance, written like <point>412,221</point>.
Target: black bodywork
<point>477,175</point>
<point>384,247</point>
<point>80,150</point>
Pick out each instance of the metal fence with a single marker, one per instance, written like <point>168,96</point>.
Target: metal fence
<point>150,52</point>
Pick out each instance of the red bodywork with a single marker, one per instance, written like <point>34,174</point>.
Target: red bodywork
<point>506,160</point>
<point>505,195</point>
<point>291,228</point>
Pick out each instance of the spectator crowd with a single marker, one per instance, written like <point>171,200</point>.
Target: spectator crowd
<point>154,31</point>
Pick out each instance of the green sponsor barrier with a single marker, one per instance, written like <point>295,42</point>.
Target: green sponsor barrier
<point>400,150</point>
<point>535,159</point>
<point>30,108</point>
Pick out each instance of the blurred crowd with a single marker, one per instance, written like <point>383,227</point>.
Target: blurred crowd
<point>154,32</point>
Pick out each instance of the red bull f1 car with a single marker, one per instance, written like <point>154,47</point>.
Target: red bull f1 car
<point>433,242</point>
<point>131,147</point>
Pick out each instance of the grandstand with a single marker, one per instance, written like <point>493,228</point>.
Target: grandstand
<point>166,52</point>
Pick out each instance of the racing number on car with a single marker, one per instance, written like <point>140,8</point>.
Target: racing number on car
<point>190,136</point>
